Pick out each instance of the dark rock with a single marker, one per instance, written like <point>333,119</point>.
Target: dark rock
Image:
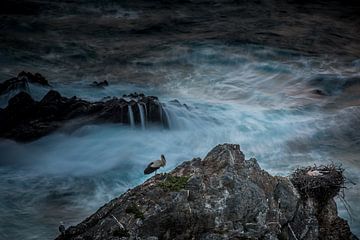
<point>20,108</point>
<point>177,103</point>
<point>318,92</point>
<point>100,84</point>
<point>13,84</point>
<point>21,82</point>
<point>331,84</point>
<point>25,119</point>
<point>36,78</point>
<point>225,197</point>
<point>135,95</point>
<point>51,97</point>
<point>21,99</point>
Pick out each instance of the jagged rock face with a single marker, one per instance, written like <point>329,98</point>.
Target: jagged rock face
<point>22,81</point>
<point>25,119</point>
<point>225,197</point>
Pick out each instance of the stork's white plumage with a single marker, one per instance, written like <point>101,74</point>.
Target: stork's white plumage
<point>155,165</point>
<point>314,173</point>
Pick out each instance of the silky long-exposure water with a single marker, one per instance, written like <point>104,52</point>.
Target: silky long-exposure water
<point>283,108</point>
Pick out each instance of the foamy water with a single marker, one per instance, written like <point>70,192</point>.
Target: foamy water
<point>260,98</point>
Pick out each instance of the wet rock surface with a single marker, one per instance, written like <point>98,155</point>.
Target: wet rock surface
<point>225,197</point>
<point>21,82</point>
<point>25,119</point>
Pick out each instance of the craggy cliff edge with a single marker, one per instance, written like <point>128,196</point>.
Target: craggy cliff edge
<point>25,119</point>
<point>222,196</point>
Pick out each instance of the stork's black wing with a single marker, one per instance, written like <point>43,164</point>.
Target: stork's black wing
<point>149,169</point>
<point>62,229</point>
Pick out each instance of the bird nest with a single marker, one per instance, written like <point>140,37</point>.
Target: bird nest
<point>319,182</point>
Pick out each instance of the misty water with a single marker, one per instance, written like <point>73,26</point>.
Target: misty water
<point>283,108</point>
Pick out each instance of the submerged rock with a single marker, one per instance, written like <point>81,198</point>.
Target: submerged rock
<point>102,84</point>
<point>25,119</point>
<point>222,196</point>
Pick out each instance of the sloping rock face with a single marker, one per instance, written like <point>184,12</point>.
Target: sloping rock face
<point>25,119</point>
<point>21,82</point>
<point>224,197</point>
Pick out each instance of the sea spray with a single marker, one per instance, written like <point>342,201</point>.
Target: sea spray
<point>249,95</point>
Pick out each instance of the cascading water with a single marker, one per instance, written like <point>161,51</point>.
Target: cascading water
<point>142,116</point>
<point>265,100</point>
<point>164,115</point>
<point>131,116</point>
<point>145,113</point>
<point>161,114</point>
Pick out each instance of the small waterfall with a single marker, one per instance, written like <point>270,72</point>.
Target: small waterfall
<point>161,113</point>
<point>131,116</point>
<point>166,122</point>
<point>142,115</point>
<point>146,113</point>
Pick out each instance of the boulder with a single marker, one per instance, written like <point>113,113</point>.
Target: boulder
<point>222,196</point>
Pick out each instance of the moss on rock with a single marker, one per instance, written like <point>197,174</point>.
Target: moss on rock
<point>134,209</point>
<point>174,183</point>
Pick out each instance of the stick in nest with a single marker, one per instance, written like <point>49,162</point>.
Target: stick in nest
<point>319,182</point>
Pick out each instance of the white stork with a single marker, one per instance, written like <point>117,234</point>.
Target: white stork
<point>155,165</point>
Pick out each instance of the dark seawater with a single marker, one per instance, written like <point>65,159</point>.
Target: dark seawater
<point>284,108</point>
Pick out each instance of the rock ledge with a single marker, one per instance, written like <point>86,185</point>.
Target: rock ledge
<point>25,119</point>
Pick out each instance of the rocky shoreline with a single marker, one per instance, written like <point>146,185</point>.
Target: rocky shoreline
<point>222,196</point>
<point>25,119</point>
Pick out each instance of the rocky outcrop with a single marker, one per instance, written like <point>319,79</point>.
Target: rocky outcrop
<point>25,119</point>
<point>22,81</point>
<point>102,84</point>
<point>222,196</point>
